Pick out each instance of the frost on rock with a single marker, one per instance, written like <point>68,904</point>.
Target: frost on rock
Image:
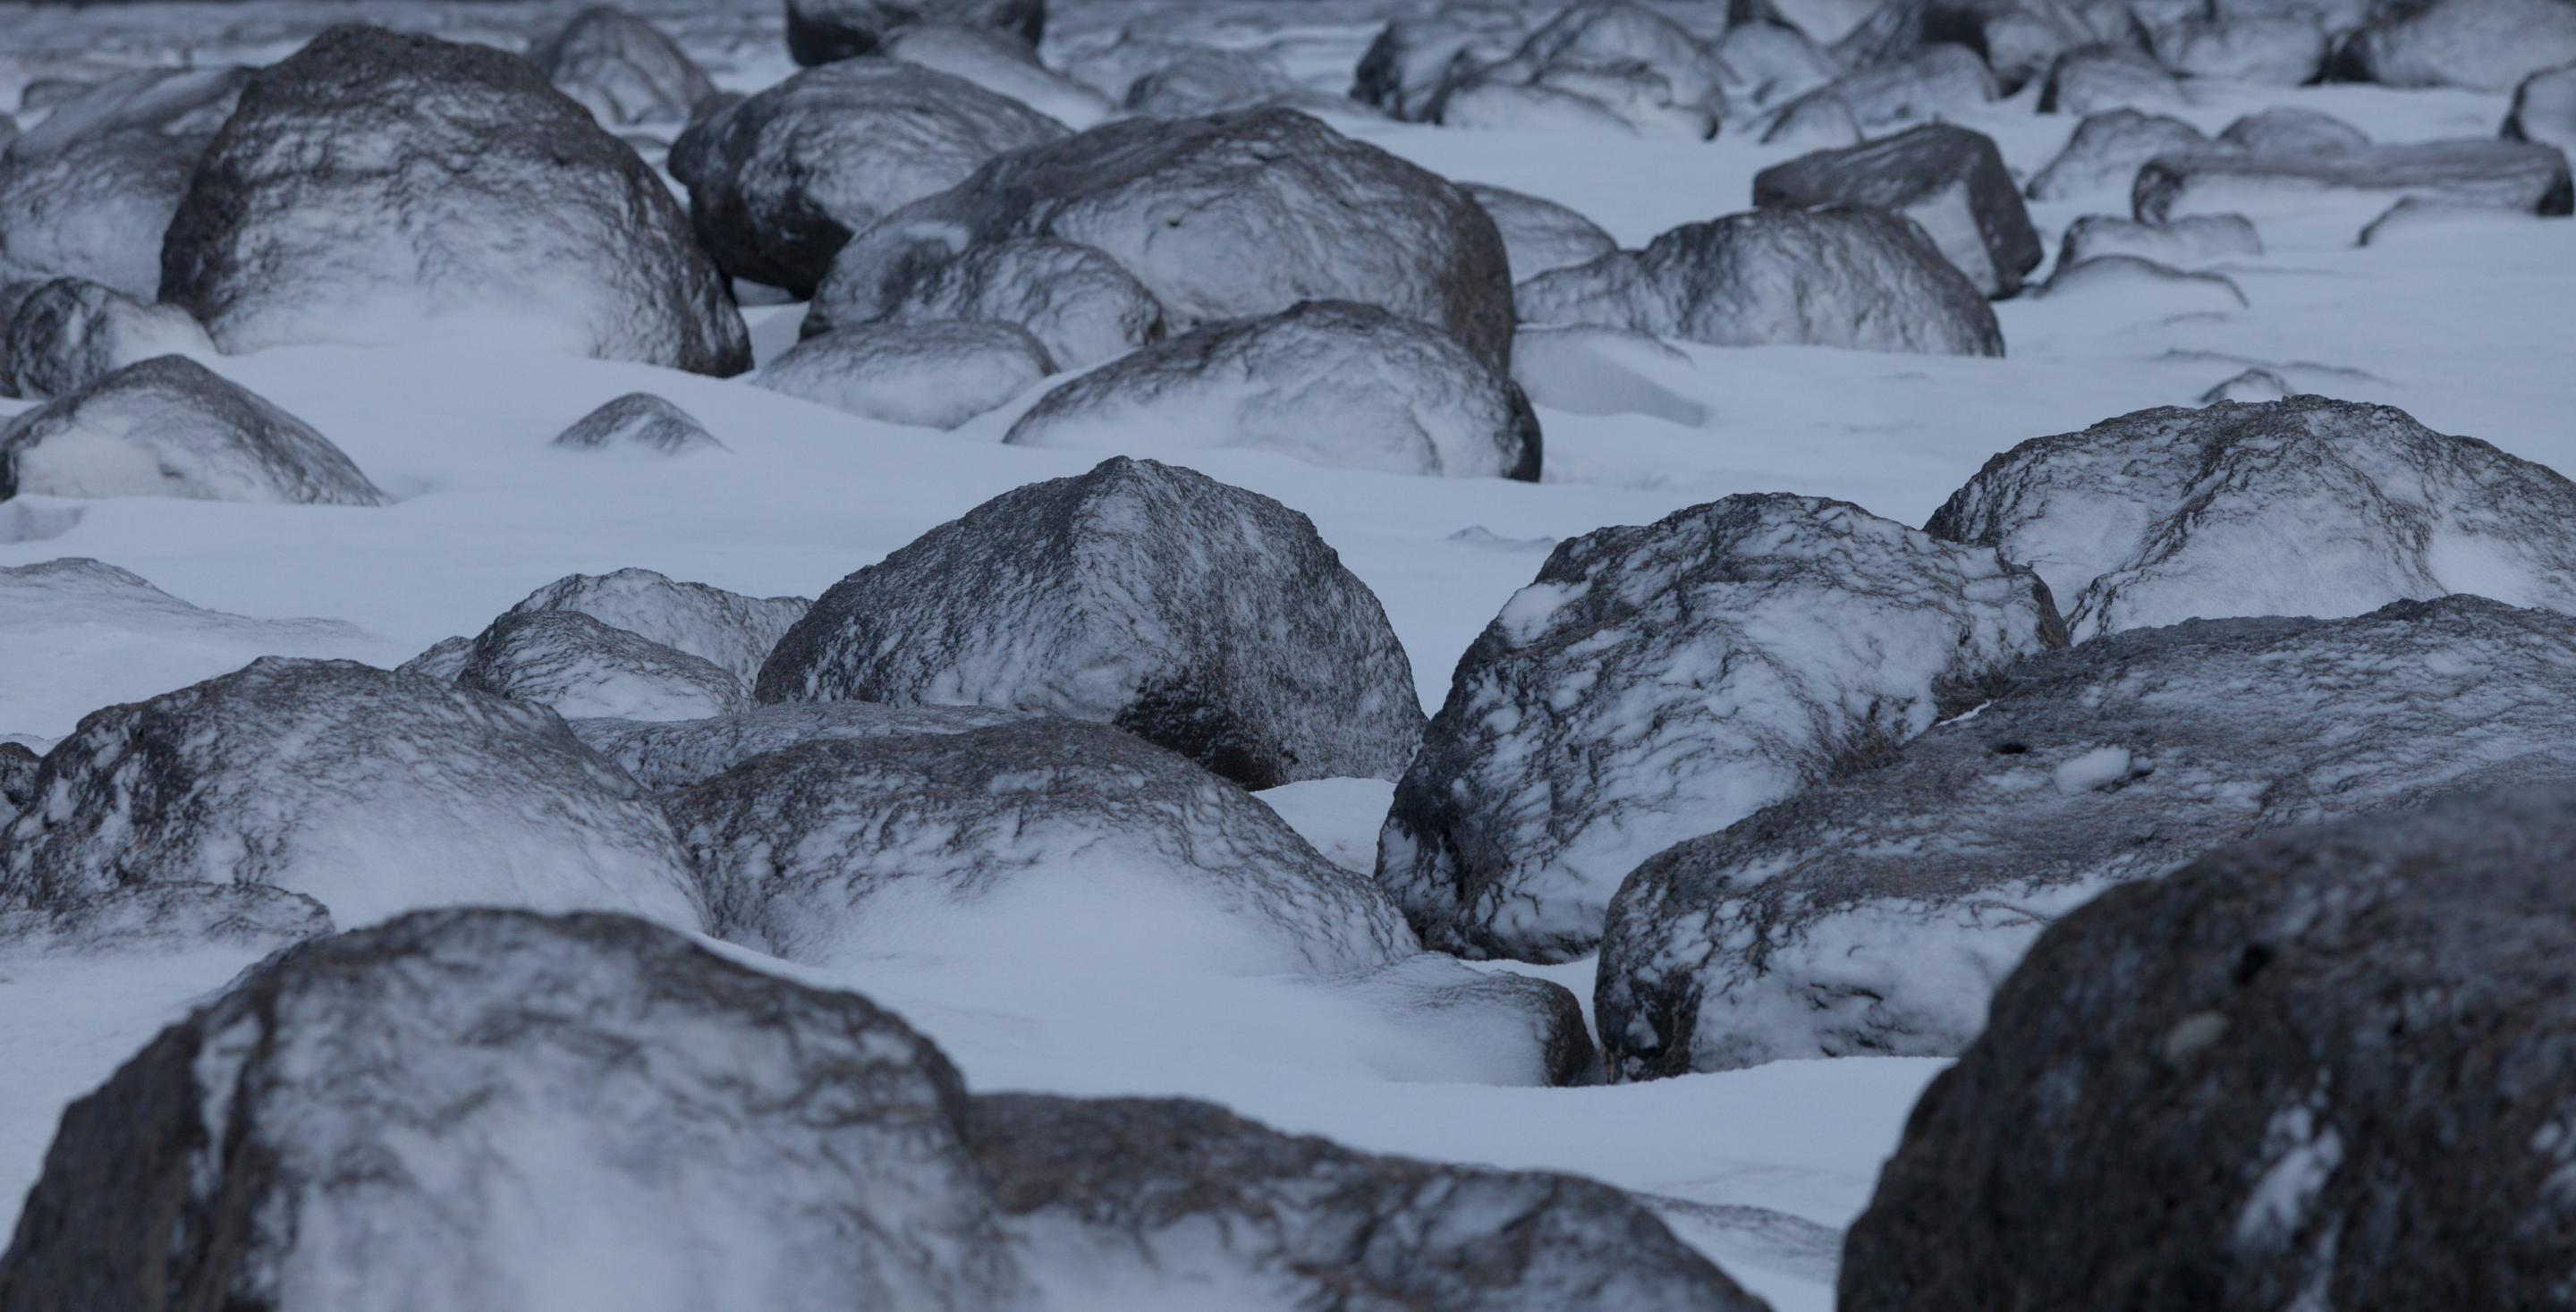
<point>639,421</point>
<point>2270,50</point>
<point>727,628</point>
<point>1043,838</point>
<point>2289,130</point>
<point>371,792</point>
<point>1080,304</point>
<point>170,427</point>
<point>830,31</point>
<point>2186,243</point>
<point>1195,209</point>
<point>66,333</point>
<point>2484,45</point>
<point>1874,914</point>
<point>581,668</point>
<point>2098,79</point>
<point>2307,506</point>
<point>1003,63</point>
<point>2329,1068</point>
<point>1539,235</point>
<point>1949,180</point>
<point>1836,275</point>
<point>1199,616</point>
<point>2511,175</point>
<point>1329,382</point>
<point>379,188</point>
<point>2544,109</point>
<point>1656,683</point>
<point>1637,66</point>
<point>778,181</point>
<point>675,754</point>
<point>935,374</point>
<point>2106,149</point>
<point>622,68</point>
<point>97,211</point>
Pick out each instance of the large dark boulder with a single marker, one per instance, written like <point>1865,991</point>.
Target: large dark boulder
<point>1836,275</point>
<point>827,31</point>
<point>1331,382</point>
<point>66,333</point>
<point>777,182</point>
<point>2305,506</point>
<point>2506,175</point>
<point>2330,1068</point>
<point>1949,180</point>
<point>2484,45</point>
<point>1873,914</point>
<point>1194,208</point>
<point>1656,683</point>
<point>1199,616</point>
<point>622,68</point>
<point>381,187</point>
<point>170,427</point>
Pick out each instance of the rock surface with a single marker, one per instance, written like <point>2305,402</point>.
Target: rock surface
<point>730,630</point>
<point>1539,235</point>
<point>462,194</point>
<point>826,31</point>
<point>675,754</point>
<point>2508,175</point>
<point>1079,304</point>
<point>580,668</point>
<point>1949,180</point>
<point>97,212</point>
<point>934,374</point>
<point>170,427</point>
<point>2289,130</point>
<point>67,333</point>
<point>1634,65</point>
<point>2106,149</point>
<point>1655,683</point>
<point>2185,243</point>
<point>639,421</point>
<point>1199,616</point>
<point>1004,63</point>
<point>2274,50</point>
<point>2483,45</point>
<point>622,68</point>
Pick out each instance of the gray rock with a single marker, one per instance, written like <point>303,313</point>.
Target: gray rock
<point>1874,914</point>
<point>187,104</point>
<point>67,333</point>
<point>1528,107</point>
<point>1936,82</point>
<point>444,660</point>
<point>2186,243</point>
<point>2332,1065</point>
<point>1079,304</point>
<point>1329,382</point>
<point>779,181</point>
<point>2544,109</point>
<point>2285,50</point>
<point>1769,63</point>
<point>17,779</point>
<point>828,31</point>
<point>731,630</point>
<point>1192,208</point>
<point>97,212</point>
<point>2143,286</point>
<point>1190,80</point>
<point>2497,174</point>
<point>2107,149</point>
<point>1813,121</point>
<point>1657,683</point>
<point>639,421</point>
<point>2308,506</point>
<point>538,219</point>
<point>164,918</point>
<point>1949,180</point>
<point>936,374</point>
<point>1645,69</point>
<point>2020,39</point>
<point>1004,63</point>
<point>670,754</point>
<point>1413,59</point>
<point>622,68</point>
<point>1836,275</point>
<point>578,667</point>
<point>1539,235</point>
<point>170,427</point>
<point>370,792</point>
<point>2484,45</point>
<point>2289,130</point>
<point>2091,80</point>
<point>1199,616</point>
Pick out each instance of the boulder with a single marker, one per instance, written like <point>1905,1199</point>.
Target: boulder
<point>1836,275</point>
<point>1656,683</point>
<point>1413,59</point>
<point>1199,616</point>
<point>1539,235</point>
<point>1191,80</point>
<point>1080,304</point>
<point>97,212</point>
<point>170,427</point>
<point>377,187</point>
<point>2142,287</point>
<point>1330,382</point>
<point>829,31</point>
<point>1874,914</point>
<point>935,374</point>
<point>668,754</point>
<point>639,421</point>
<point>1813,121</point>
<point>732,631</point>
<point>67,333</point>
<point>578,667</point>
<point>2284,50</point>
<point>2544,109</point>
<point>622,69</point>
<point>1523,107</point>
<point>1193,209</point>
<point>2483,45</point>
<point>2106,149</point>
<point>2289,130</point>
<point>18,764</point>
<point>183,103</point>
<point>2095,79</point>
<point>1004,63</point>
<point>370,792</point>
<point>2186,243</point>
<point>2496,174</point>
<point>1645,69</point>
<point>2331,1065</point>
<point>779,181</point>
<point>1771,63</point>
<point>1949,180</point>
<point>1938,81</point>
<point>2308,506</point>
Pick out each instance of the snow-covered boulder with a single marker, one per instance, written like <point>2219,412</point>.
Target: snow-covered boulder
<point>1329,382</point>
<point>1949,180</point>
<point>2512,175</point>
<point>669,754</point>
<point>188,103</point>
<point>1189,80</point>
<point>779,180</point>
<point>622,68</point>
<point>2185,243</point>
<point>1080,304</point>
<point>639,421</point>
<point>18,764</point>
<point>2106,149</point>
<point>729,629</point>
<point>1770,63</point>
<point>96,212</point>
<point>1539,235</point>
<point>1836,275</point>
<point>2142,287</point>
<point>1656,683</point>
<point>2290,130</point>
<point>1004,63</point>
<point>2544,109</point>
<point>1873,914</point>
<point>1643,68</point>
<point>379,187</point>
<point>2308,506</point>
<point>1416,57</point>
<point>2331,1066</point>
<point>829,31</point>
<point>2282,50</point>
<point>1938,81</point>
<point>1199,616</point>
<point>579,668</point>
<point>2097,79</point>
<point>1194,208</point>
<point>369,791</point>
<point>170,427</point>
<point>933,373</point>
<point>2484,45</point>
<point>66,333</point>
